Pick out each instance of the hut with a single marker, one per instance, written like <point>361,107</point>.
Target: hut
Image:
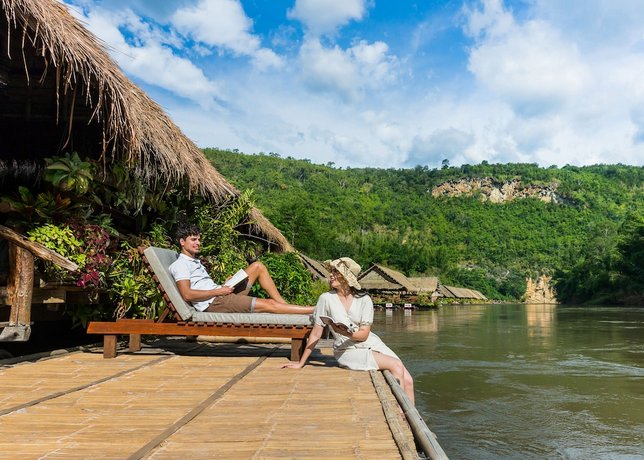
<point>317,269</point>
<point>459,294</point>
<point>426,285</point>
<point>61,92</point>
<point>386,285</point>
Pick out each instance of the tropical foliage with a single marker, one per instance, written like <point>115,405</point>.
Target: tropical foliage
<point>98,220</point>
<point>389,216</point>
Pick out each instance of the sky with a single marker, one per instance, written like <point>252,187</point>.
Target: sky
<point>390,84</point>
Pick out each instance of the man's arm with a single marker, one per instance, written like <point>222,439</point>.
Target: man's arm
<point>195,295</point>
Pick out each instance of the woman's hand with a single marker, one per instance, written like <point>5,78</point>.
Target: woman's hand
<point>292,365</point>
<point>342,330</point>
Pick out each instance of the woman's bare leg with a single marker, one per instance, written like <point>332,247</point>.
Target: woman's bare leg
<point>398,370</point>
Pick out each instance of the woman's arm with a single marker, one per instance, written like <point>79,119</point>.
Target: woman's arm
<point>312,341</point>
<point>359,336</point>
<point>195,295</point>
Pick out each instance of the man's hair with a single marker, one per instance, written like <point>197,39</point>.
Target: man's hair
<point>185,230</point>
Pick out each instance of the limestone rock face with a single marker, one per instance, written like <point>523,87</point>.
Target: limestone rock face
<point>540,290</point>
<point>489,189</point>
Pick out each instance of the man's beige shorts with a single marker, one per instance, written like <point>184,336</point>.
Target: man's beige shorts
<point>237,302</point>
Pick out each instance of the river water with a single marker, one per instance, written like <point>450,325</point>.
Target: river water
<point>526,381</point>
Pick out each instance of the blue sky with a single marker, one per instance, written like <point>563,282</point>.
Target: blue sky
<point>394,83</point>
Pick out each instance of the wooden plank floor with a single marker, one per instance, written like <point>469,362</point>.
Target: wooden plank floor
<point>206,401</point>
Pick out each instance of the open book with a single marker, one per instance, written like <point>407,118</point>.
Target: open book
<point>346,326</point>
<point>237,278</point>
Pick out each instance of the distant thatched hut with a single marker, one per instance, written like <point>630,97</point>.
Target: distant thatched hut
<point>451,292</point>
<point>387,285</point>
<point>426,285</point>
<point>60,91</point>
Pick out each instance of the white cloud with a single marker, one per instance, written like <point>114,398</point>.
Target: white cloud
<point>347,72</point>
<point>443,143</point>
<point>148,59</point>
<point>329,69</point>
<point>223,23</point>
<point>528,65</point>
<point>541,85</point>
<point>325,16</point>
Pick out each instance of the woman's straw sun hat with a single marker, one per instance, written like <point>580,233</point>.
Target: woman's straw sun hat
<point>348,268</point>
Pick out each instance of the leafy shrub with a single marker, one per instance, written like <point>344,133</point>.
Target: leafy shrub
<point>131,286</point>
<point>69,173</point>
<point>62,240</point>
<point>293,281</point>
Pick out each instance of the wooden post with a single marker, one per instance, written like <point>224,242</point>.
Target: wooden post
<point>135,342</point>
<point>297,348</point>
<point>20,286</point>
<point>109,346</point>
<point>20,289</point>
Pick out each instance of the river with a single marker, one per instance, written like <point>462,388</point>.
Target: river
<point>526,381</point>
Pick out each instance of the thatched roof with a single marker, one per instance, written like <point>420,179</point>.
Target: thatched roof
<point>378,277</point>
<point>59,89</point>
<point>316,268</point>
<point>427,284</point>
<point>460,293</point>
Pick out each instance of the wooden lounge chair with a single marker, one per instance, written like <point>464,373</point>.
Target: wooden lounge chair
<point>188,321</point>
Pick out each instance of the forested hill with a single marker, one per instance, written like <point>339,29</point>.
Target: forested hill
<point>484,226</point>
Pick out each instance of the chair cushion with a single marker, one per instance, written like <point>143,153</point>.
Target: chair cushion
<point>160,259</point>
<point>252,318</point>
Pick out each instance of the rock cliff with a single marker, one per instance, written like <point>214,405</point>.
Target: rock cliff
<point>540,290</point>
<point>497,192</point>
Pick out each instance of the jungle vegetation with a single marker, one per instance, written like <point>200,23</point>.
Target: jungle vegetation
<point>591,240</point>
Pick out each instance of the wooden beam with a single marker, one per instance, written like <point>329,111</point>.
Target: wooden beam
<point>36,249</point>
<point>21,285</point>
<point>243,330</point>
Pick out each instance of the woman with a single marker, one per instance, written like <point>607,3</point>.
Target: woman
<point>355,346</point>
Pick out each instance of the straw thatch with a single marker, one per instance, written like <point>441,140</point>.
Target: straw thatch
<point>378,277</point>
<point>59,89</point>
<point>460,293</point>
<point>317,269</point>
<point>427,284</point>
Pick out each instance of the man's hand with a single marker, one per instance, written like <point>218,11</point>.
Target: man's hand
<point>224,290</point>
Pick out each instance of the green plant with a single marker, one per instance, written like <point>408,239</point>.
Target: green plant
<point>293,281</point>
<point>131,288</point>
<point>44,206</point>
<point>223,249</point>
<point>62,240</point>
<point>69,173</point>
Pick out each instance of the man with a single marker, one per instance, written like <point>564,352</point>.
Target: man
<point>198,288</point>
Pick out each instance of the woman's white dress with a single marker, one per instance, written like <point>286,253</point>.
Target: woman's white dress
<point>350,353</point>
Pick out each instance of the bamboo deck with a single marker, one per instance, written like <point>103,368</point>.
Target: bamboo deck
<point>204,401</point>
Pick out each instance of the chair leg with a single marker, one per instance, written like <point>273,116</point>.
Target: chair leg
<point>109,346</point>
<point>135,342</point>
<point>297,348</point>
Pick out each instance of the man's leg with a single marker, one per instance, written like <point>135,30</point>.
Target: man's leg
<point>240,303</point>
<point>272,306</point>
<point>257,271</point>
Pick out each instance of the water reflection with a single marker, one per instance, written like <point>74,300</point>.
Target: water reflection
<point>526,381</point>
<point>540,319</point>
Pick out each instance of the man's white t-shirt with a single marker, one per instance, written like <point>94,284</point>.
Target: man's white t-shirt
<point>187,268</point>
